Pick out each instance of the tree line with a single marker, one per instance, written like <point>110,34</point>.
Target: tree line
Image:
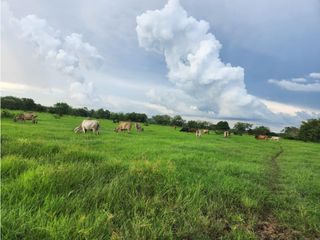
<point>60,109</point>
<point>308,131</point>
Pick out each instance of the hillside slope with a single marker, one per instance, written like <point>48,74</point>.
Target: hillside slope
<point>158,184</point>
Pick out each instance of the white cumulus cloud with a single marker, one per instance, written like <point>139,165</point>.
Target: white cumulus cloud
<point>298,84</point>
<point>192,55</point>
<point>314,75</point>
<point>70,55</point>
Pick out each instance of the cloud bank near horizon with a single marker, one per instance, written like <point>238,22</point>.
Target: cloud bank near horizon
<point>202,81</point>
<point>311,83</point>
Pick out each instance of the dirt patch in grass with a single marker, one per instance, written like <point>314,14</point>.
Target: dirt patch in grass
<point>270,230</point>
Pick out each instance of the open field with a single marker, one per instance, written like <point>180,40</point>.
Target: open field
<point>159,184</point>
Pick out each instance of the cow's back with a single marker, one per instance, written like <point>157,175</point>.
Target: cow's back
<point>125,125</point>
<point>90,124</point>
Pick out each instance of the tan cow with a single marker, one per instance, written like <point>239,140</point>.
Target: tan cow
<point>205,131</point>
<point>123,126</point>
<point>139,127</point>
<point>26,116</point>
<point>226,134</point>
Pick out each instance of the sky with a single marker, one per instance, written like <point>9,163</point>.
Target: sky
<point>241,60</point>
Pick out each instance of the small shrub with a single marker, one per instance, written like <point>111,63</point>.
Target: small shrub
<point>6,114</point>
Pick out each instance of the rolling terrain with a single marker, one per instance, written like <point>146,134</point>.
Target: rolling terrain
<point>158,184</point>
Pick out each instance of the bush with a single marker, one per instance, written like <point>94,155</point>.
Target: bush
<point>7,114</point>
<point>310,130</point>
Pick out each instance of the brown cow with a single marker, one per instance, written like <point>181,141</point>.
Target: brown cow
<point>261,137</point>
<point>123,126</point>
<point>26,116</point>
<point>139,127</point>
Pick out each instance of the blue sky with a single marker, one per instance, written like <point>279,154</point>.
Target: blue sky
<point>276,43</point>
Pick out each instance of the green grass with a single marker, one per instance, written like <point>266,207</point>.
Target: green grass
<point>158,184</point>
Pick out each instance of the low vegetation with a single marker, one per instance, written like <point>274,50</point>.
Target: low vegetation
<point>156,184</point>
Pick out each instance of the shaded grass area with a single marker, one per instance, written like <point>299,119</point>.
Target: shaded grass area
<point>159,184</point>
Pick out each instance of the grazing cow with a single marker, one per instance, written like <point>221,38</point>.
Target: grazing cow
<point>261,137</point>
<point>88,125</point>
<point>205,131</point>
<point>123,126</point>
<point>139,127</point>
<point>198,133</point>
<point>275,138</point>
<point>226,134</point>
<point>26,116</point>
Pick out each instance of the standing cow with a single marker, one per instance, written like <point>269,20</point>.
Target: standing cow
<point>139,127</point>
<point>88,125</point>
<point>26,116</point>
<point>123,126</point>
<point>226,134</point>
<point>198,133</point>
<point>261,137</point>
<point>205,131</point>
<point>275,138</point>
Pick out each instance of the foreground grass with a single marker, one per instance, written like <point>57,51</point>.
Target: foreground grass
<point>159,184</point>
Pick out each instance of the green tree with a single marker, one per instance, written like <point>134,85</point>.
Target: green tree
<point>192,124</point>
<point>100,114</point>
<point>241,127</point>
<point>222,126</point>
<point>162,119</point>
<point>310,130</point>
<point>80,112</point>
<point>28,104</point>
<point>290,132</point>
<point>10,102</point>
<point>177,121</point>
<point>261,130</point>
<point>62,109</point>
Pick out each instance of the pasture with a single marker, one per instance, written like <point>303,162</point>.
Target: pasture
<point>157,184</point>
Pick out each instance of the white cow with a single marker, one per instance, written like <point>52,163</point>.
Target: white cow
<point>274,138</point>
<point>198,133</point>
<point>88,125</point>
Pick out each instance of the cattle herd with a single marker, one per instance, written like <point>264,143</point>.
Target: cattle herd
<point>94,126</point>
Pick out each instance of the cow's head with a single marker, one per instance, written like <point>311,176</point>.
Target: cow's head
<point>77,129</point>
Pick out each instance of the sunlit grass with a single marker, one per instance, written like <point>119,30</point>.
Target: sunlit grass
<point>159,184</point>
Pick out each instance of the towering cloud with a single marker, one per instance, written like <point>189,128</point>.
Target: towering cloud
<point>70,55</point>
<point>192,55</point>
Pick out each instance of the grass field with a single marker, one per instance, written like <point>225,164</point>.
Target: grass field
<point>159,184</point>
